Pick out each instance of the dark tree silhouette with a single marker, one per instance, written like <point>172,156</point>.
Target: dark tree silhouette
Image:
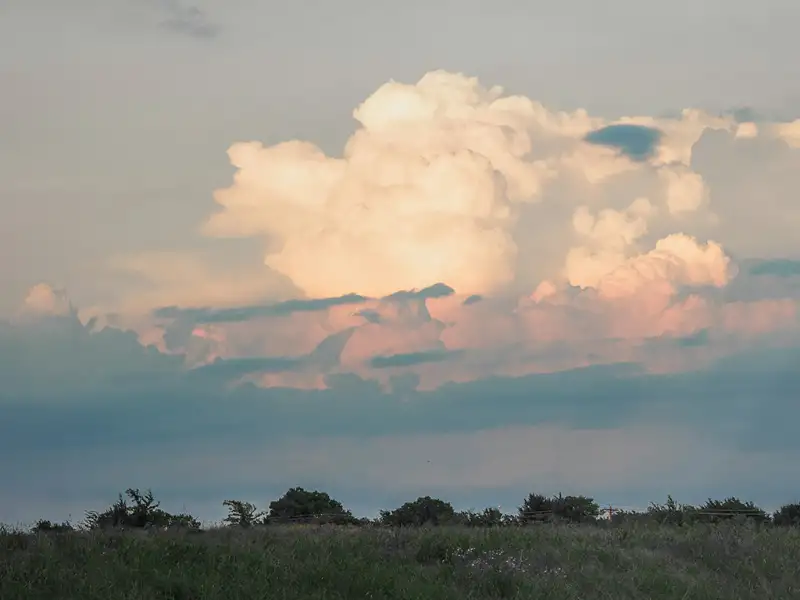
<point>302,505</point>
<point>537,508</point>
<point>422,511</point>
<point>488,517</point>
<point>144,512</point>
<point>714,511</point>
<point>243,514</point>
<point>787,515</point>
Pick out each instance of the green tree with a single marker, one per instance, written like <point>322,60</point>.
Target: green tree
<point>422,511</point>
<point>573,509</point>
<point>576,509</point>
<point>488,517</point>
<point>302,505</point>
<point>140,510</point>
<point>672,513</point>
<point>787,515</point>
<point>535,508</point>
<point>714,511</point>
<point>243,514</point>
<point>45,526</point>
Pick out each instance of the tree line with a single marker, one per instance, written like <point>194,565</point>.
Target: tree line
<point>140,510</point>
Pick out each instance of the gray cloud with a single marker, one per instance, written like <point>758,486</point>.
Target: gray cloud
<point>245,313</point>
<point>105,396</point>
<point>437,290</point>
<point>324,357</point>
<point>370,315</point>
<point>412,358</point>
<point>187,20</point>
<point>779,267</point>
<point>635,141</point>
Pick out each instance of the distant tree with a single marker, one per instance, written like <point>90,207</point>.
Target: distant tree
<point>142,512</point>
<point>488,517</point>
<point>422,511</point>
<point>714,511</point>
<point>114,516</point>
<point>180,520</point>
<point>45,526</point>
<point>573,509</point>
<point>626,516</point>
<point>536,508</point>
<point>243,514</point>
<point>787,515</point>
<point>302,505</point>
<point>672,513</point>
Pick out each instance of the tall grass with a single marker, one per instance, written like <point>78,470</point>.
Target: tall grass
<point>726,561</point>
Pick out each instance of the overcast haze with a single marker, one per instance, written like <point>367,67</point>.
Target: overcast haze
<point>329,215</point>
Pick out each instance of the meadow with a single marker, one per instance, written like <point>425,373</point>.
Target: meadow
<point>722,561</point>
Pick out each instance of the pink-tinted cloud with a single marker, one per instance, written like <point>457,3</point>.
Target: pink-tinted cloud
<point>448,181</point>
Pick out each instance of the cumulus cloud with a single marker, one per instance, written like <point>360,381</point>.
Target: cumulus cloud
<point>44,299</point>
<point>425,192</point>
<point>433,182</point>
<point>471,259</point>
<point>465,233</point>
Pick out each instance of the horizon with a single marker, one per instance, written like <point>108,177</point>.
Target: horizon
<point>543,249</point>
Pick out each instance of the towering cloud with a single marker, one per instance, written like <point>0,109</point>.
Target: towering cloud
<point>425,192</point>
<point>463,233</point>
<point>431,185</point>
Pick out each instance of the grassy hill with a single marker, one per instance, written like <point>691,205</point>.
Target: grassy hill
<point>286,562</point>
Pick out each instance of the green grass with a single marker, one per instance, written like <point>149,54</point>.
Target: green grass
<point>725,562</point>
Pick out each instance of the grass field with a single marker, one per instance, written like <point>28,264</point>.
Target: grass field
<point>724,562</point>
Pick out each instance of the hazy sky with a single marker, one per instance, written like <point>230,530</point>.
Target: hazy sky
<point>216,204</point>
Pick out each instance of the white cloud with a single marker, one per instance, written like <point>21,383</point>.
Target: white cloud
<point>43,299</point>
<point>446,180</point>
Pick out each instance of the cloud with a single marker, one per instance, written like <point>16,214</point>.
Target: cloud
<point>187,20</point>
<point>232,315</point>
<point>472,264</point>
<point>410,359</point>
<point>424,193</point>
<point>635,141</point>
<point>438,178</point>
<point>191,438</point>
<point>142,282</point>
<point>437,290</point>
<point>587,241</point>
<point>782,267</point>
<point>43,299</point>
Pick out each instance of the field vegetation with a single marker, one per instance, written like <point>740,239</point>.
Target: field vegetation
<point>307,546</point>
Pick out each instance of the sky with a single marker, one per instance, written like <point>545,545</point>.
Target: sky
<point>470,250</point>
